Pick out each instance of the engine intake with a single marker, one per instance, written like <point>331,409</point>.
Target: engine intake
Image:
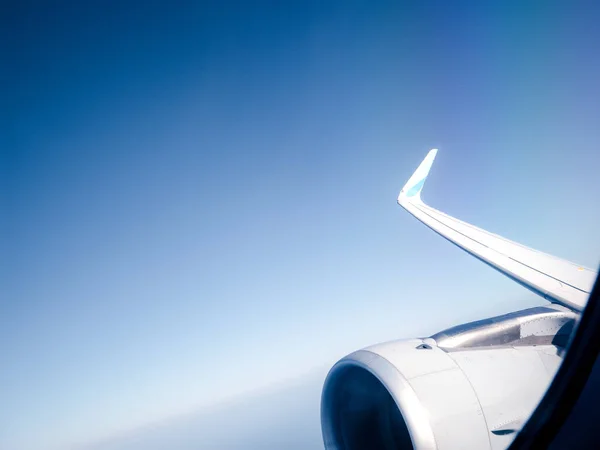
<point>364,412</point>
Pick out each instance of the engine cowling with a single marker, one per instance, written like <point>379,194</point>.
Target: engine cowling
<point>468,387</point>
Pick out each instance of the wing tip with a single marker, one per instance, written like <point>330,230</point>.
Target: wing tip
<point>415,183</point>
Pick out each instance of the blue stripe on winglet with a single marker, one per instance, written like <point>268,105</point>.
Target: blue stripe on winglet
<point>415,189</point>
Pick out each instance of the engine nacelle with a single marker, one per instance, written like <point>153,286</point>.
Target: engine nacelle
<point>468,387</point>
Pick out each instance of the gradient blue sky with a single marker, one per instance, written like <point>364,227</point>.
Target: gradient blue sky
<point>199,202</point>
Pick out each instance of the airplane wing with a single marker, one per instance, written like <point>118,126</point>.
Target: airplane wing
<point>555,279</point>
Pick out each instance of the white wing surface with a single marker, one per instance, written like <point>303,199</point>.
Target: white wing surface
<point>555,279</point>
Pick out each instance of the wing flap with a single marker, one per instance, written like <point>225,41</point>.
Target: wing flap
<point>553,278</point>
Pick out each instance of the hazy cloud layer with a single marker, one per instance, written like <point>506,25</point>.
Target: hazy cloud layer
<point>286,418</point>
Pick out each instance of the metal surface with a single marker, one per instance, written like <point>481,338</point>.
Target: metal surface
<point>468,387</point>
<point>543,325</point>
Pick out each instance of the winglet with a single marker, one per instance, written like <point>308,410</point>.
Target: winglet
<point>415,183</point>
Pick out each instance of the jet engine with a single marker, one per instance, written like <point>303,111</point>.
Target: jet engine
<point>468,387</point>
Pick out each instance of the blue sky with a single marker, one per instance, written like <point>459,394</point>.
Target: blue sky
<point>199,202</point>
